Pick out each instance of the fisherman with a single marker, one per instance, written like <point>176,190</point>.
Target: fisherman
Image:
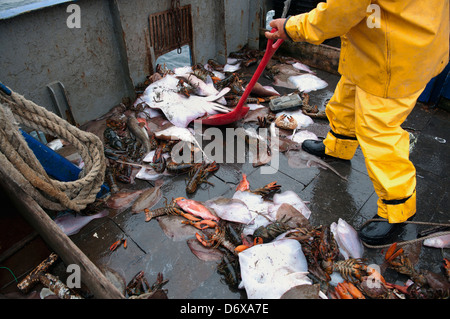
<point>389,52</point>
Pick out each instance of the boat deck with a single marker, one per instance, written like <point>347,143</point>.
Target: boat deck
<point>329,197</point>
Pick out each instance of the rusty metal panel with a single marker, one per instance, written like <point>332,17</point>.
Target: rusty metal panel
<point>171,29</point>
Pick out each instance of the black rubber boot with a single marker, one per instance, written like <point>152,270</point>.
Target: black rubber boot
<point>314,147</point>
<point>380,233</point>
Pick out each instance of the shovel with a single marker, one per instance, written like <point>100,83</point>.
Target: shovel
<point>240,110</point>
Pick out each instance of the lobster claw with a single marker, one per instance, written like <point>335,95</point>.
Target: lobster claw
<point>446,264</point>
<point>392,252</point>
<point>201,224</point>
<point>343,292</point>
<point>147,215</point>
<point>272,186</point>
<point>212,167</point>
<point>115,245</point>
<point>192,219</point>
<point>246,245</point>
<point>118,243</point>
<point>241,248</point>
<point>347,290</point>
<point>355,292</point>
<point>202,239</point>
<point>258,241</point>
<point>266,190</point>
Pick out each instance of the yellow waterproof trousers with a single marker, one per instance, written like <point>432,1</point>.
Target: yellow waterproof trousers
<point>359,118</point>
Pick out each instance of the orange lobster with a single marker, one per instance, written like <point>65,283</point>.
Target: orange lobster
<point>244,184</point>
<point>347,290</point>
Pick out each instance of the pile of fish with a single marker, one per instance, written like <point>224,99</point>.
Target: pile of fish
<point>266,245</point>
<point>141,138</point>
<point>261,237</point>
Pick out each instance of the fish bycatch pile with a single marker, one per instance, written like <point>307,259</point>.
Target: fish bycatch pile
<point>261,236</point>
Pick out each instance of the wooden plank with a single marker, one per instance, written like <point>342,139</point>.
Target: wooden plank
<point>17,246</point>
<point>91,276</point>
<point>322,56</point>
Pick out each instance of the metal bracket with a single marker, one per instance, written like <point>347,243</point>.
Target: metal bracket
<point>59,96</point>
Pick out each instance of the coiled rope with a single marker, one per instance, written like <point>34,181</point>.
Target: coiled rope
<point>18,161</point>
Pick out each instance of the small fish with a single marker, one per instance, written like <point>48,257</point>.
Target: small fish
<point>195,208</point>
<point>264,91</point>
<point>231,67</point>
<point>282,80</point>
<point>123,199</point>
<point>291,198</point>
<point>308,82</point>
<point>71,224</point>
<point>179,110</point>
<point>179,133</point>
<point>204,88</point>
<point>243,184</point>
<point>176,133</point>
<point>230,209</point>
<point>148,174</point>
<point>204,253</point>
<point>148,199</point>
<point>302,159</point>
<point>303,292</point>
<point>139,132</point>
<point>347,239</point>
<point>438,242</point>
<point>174,229</point>
<point>303,135</point>
<point>259,209</point>
<point>302,67</point>
<point>269,270</point>
<point>294,217</point>
<point>285,69</point>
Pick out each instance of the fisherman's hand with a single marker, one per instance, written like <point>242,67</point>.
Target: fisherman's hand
<point>279,34</point>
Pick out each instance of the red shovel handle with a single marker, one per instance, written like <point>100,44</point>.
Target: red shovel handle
<point>270,50</point>
<point>238,112</point>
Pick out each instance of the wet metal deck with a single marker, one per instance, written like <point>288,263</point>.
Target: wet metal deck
<point>329,197</point>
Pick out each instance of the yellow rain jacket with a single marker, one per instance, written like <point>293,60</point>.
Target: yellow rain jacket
<point>390,49</point>
<point>395,59</point>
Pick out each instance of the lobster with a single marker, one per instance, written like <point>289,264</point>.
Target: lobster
<point>267,189</point>
<point>216,239</point>
<point>180,168</point>
<point>168,209</point>
<point>199,176</point>
<point>351,269</point>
